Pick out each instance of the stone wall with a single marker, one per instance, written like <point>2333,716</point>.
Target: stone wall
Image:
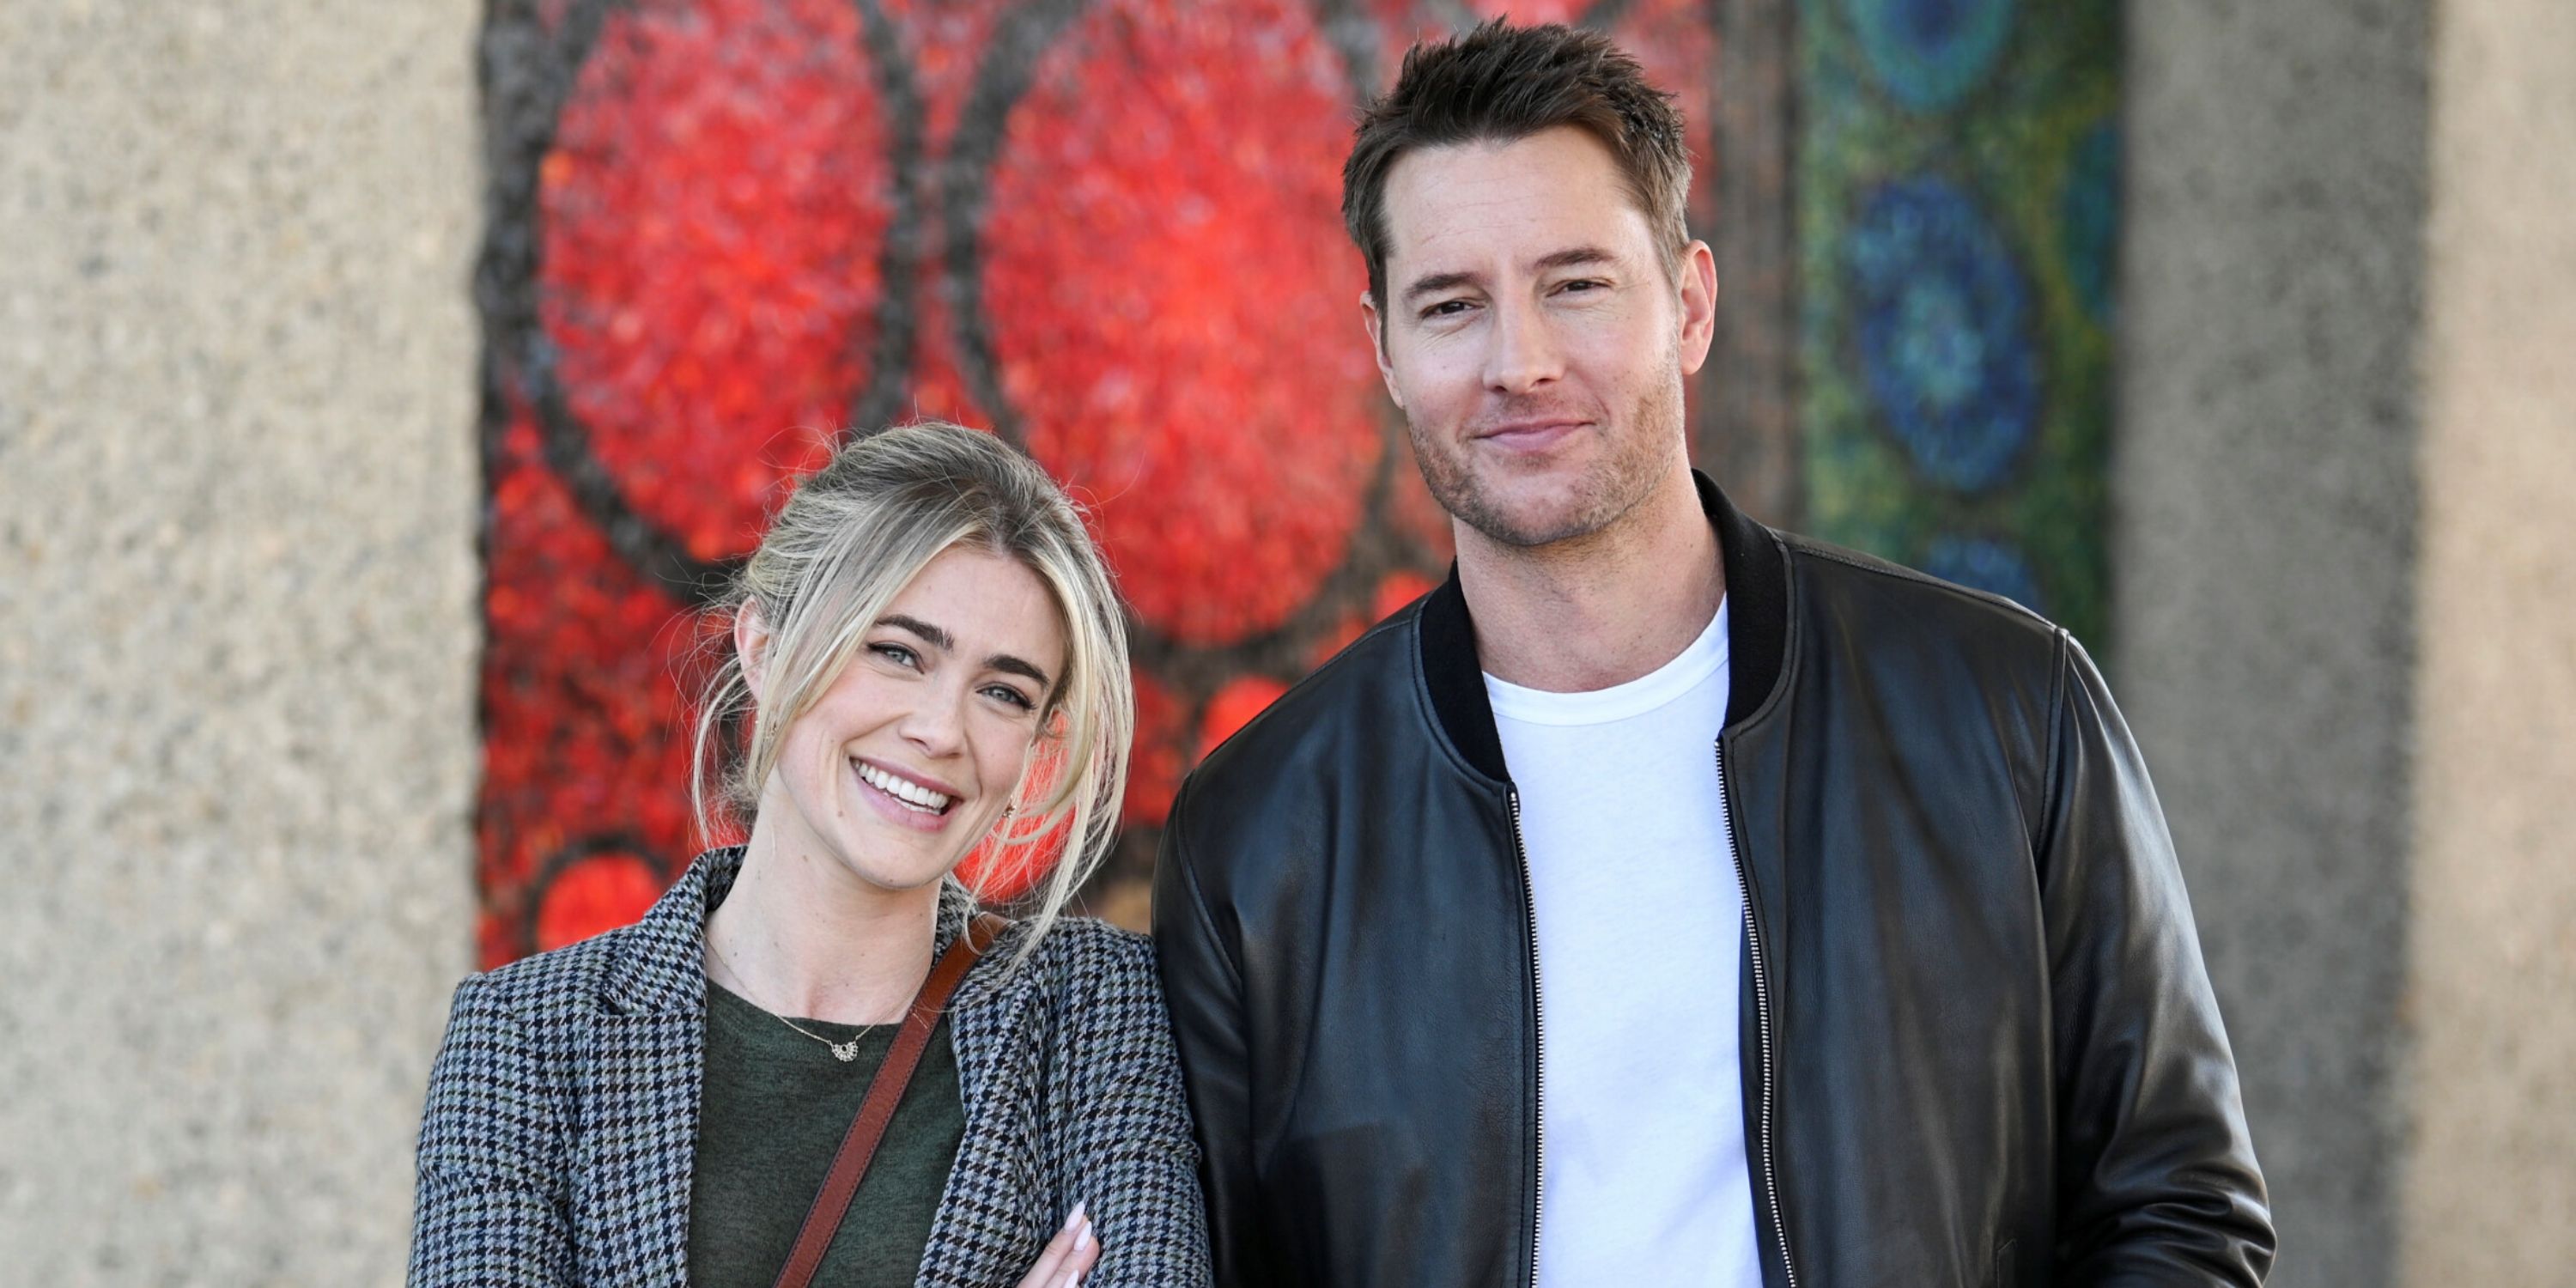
<point>2264,537</point>
<point>237,629</point>
<point>2346,558</point>
<point>2491,998</point>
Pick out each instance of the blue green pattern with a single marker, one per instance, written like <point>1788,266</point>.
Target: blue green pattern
<point>1942,353</point>
<point>1927,54</point>
<point>1958,212</point>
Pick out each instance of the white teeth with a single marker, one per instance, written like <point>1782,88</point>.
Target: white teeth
<point>902,789</point>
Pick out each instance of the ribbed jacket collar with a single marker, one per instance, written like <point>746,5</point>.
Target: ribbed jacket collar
<point>1757,594</point>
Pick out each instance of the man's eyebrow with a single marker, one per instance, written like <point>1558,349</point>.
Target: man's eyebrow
<point>1570,257</point>
<point>1575,257</point>
<point>1437,282</point>
<point>935,636</point>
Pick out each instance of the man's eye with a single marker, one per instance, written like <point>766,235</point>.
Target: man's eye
<point>1447,308</point>
<point>1584,284</point>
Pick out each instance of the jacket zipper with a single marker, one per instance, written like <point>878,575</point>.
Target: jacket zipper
<point>1761,1010</point>
<point>1538,1042</point>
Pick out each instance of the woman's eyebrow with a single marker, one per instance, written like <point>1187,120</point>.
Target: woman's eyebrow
<point>939,638</point>
<point>1017,666</point>
<point>935,636</point>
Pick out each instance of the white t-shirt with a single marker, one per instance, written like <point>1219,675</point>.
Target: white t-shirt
<point>1641,1106</point>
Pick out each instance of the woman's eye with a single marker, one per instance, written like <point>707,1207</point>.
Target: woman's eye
<point>895,653</point>
<point>1005,693</point>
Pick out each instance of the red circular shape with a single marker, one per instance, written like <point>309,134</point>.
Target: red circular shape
<point>588,675</point>
<point>597,893</point>
<point>1159,756</point>
<point>1234,706</point>
<point>712,212</point>
<point>1173,304</point>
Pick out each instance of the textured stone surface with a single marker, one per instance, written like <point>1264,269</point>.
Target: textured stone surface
<point>236,629</point>
<point>2491,1179</point>
<point>2265,537</point>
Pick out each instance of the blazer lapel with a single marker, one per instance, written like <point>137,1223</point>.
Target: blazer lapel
<point>641,1088</point>
<point>639,1146</point>
<point>990,1226</point>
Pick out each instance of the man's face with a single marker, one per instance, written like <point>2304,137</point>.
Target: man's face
<point>1532,335</point>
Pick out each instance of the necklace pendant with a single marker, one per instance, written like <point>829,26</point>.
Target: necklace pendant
<point>845,1052</point>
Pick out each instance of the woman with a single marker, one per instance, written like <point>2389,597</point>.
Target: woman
<point>933,659</point>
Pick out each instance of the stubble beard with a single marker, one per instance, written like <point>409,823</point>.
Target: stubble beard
<point>1615,486</point>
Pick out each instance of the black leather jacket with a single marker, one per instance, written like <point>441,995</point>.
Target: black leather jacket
<point>1979,1044</point>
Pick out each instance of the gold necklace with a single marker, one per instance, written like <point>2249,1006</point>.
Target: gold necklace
<point>845,1052</point>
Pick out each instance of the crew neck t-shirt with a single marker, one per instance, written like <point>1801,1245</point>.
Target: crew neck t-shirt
<point>1641,1096</point>
<point>773,1107</point>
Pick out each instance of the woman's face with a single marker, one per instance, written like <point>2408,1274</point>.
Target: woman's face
<point>913,751</point>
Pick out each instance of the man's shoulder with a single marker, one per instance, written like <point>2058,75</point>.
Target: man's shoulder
<point>1847,599</point>
<point>1366,690</point>
<point>1356,722</point>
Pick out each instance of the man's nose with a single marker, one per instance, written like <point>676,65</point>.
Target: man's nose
<point>1521,352</point>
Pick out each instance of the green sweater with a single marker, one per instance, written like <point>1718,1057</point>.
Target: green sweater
<point>772,1111</point>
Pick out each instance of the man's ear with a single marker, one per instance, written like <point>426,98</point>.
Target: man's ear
<point>1377,346</point>
<point>1699,304</point>
<point>751,645</point>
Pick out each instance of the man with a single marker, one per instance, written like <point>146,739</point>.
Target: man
<point>1666,899</point>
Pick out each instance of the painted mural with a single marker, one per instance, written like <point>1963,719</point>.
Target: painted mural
<point>723,233</point>
<point>1957,174</point>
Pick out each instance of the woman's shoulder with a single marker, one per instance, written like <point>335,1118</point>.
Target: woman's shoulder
<point>556,984</point>
<point>1080,968</point>
<point>1081,949</point>
<point>650,964</point>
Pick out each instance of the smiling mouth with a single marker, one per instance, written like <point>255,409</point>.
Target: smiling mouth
<point>903,791</point>
<point>1530,433</point>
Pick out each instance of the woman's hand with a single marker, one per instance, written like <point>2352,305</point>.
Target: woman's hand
<point>1067,1256</point>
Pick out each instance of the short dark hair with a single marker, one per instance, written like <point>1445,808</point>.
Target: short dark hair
<point>1502,83</point>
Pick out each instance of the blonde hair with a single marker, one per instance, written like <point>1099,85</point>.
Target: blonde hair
<point>853,535</point>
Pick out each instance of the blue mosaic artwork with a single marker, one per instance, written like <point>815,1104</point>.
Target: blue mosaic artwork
<point>1958,232</point>
<point>1941,309</point>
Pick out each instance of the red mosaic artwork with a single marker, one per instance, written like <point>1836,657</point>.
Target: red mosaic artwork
<point>725,232</point>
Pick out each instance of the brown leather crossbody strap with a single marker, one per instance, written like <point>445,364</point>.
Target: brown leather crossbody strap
<point>885,1091</point>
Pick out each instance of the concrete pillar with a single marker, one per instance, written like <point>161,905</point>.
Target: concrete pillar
<point>2265,538</point>
<point>237,628</point>
<point>2347,560</point>
<point>2490,1180</point>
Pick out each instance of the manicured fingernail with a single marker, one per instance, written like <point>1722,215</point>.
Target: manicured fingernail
<point>1073,1218</point>
<point>1082,1240</point>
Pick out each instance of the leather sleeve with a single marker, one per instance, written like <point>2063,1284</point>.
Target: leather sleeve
<point>2157,1182</point>
<point>490,1207</point>
<point>1203,985</point>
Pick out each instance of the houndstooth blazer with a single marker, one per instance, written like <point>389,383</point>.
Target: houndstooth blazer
<point>562,1120</point>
